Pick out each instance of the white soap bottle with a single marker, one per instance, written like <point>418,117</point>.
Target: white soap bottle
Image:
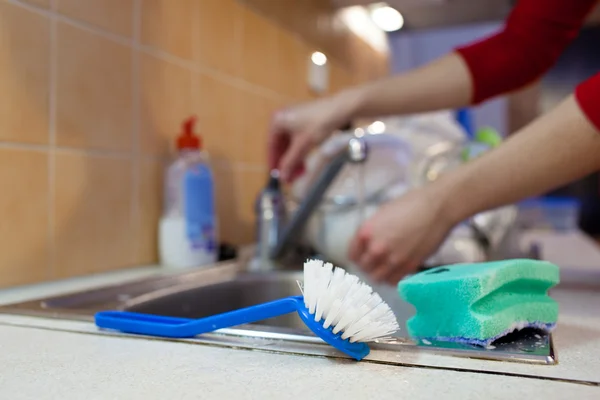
<point>188,226</point>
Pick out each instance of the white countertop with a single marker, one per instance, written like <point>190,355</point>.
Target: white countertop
<point>58,365</point>
<point>52,359</point>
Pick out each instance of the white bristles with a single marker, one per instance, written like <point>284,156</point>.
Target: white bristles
<point>327,295</point>
<point>311,281</point>
<point>333,313</point>
<point>341,301</point>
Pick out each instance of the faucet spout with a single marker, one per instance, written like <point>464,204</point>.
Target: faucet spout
<point>356,151</point>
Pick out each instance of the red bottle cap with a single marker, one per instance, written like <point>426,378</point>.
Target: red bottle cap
<point>187,139</point>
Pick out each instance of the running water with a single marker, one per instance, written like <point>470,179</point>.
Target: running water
<point>360,193</point>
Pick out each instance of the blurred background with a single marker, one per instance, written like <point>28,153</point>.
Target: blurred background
<point>95,92</point>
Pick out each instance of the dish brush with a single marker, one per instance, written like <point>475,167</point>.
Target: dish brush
<point>335,305</point>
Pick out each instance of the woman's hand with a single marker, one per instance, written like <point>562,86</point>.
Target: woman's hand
<point>296,130</point>
<point>401,235</point>
<point>442,84</point>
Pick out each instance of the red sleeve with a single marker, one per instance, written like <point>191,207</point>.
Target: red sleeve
<point>587,95</point>
<point>534,35</point>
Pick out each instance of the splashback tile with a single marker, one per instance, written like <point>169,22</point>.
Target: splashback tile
<point>115,16</point>
<point>150,197</point>
<point>339,78</point>
<point>255,117</point>
<point>315,21</point>
<point>226,193</point>
<point>217,35</point>
<point>216,103</point>
<point>24,75</point>
<point>259,51</point>
<point>165,102</point>
<point>24,208</point>
<point>248,184</point>
<point>293,62</point>
<point>92,214</point>
<point>94,91</point>
<point>168,27</point>
<point>367,64</point>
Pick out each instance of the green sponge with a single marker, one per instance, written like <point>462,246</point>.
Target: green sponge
<point>479,303</point>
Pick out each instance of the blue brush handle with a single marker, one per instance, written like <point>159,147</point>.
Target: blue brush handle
<point>154,325</point>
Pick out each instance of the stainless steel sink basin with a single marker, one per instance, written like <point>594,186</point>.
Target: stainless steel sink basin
<point>231,286</point>
<point>247,289</point>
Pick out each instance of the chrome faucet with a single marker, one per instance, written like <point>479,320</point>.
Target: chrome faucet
<point>270,219</point>
<point>276,235</point>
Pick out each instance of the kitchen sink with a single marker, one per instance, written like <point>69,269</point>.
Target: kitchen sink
<point>247,289</point>
<point>231,285</point>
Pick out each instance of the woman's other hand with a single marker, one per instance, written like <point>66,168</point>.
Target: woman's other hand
<point>401,235</point>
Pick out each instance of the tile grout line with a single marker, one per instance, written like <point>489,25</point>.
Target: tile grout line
<point>53,84</point>
<point>26,146</point>
<point>67,150</point>
<point>92,152</point>
<point>136,134</point>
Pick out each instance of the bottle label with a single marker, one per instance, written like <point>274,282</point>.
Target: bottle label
<point>199,209</point>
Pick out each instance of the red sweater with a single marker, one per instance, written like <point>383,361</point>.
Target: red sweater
<point>535,34</point>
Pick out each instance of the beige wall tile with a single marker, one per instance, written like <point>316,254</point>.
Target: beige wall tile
<point>293,58</point>
<point>92,213</point>
<point>339,78</point>
<point>314,21</point>
<point>24,75</point>
<point>248,184</point>
<point>115,16</point>
<point>217,35</point>
<point>259,50</point>
<point>217,105</point>
<point>42,3</point>
<point>94,91</point>
<point>24,208</point>
<point>150,197</point>
<point>167,26</point>
<point>225,194</point>
<point>255,118</point>
<point>298,16</point>
<point>366,64</point>
<point>165,103</point>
